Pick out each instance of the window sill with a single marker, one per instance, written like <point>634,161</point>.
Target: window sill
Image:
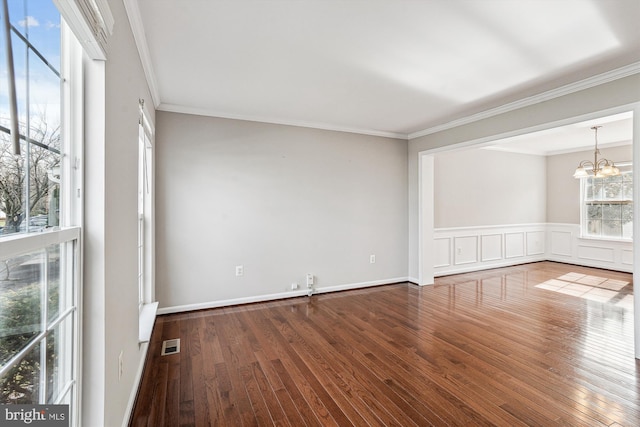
<point>147,319</point>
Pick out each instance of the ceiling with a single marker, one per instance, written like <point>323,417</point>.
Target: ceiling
<point>615,130</point>
<point>380,67</point>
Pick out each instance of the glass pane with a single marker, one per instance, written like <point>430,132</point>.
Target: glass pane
<point>55,302</point>
<point>594,189</point>
<point>613,187</point>
<point>58,351</point>
<point>594,211</point>
<point>611,211</point>
<point>612,228</point>
<point>29,200</point>
<point>628,190</point>
<point>44,130</point>
<point>21,385</point>
<point>20,303</point>
<point>13,168</point>
<point>627,212</point>
<point>594,227</point>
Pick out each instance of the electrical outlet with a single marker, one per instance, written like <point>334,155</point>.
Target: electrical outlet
<point>309,280</point>
<point>294,286</point>
<point>239,270</point>
<point>372,259</point>
<point>120,365</point>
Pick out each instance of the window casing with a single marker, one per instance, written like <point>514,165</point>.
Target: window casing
<point>145,208</point>
<point>146,232</point>
<point>607,206</point>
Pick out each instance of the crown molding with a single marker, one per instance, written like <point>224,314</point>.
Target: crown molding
<point>587,83</point>
<point>173,108</point>
<point>137,28</point>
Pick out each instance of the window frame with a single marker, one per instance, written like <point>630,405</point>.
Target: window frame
<point>68,235</point>
<point>626,168</point>
<point>146,225</point>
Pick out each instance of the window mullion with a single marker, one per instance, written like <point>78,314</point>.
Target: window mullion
<point>44,313</point>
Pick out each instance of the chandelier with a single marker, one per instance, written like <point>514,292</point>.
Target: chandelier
<point>600,168</point>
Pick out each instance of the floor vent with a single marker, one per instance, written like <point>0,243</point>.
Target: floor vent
<point>170,347</point>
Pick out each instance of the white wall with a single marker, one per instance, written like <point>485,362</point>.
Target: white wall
<point>479,187</point>
<point>282,201</point>
<point>600,98</point>
<point>110,321</point>
<point>563,190</point>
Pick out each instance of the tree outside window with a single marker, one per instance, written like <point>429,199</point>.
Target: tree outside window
<point>608,207</point>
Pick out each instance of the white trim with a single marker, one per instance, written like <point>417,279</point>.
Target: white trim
<point>278,296</point>
<point>91,22</point>
<point>487,140</point>
<point>20,243</point>
<point>426,241</point>
<point>504,263</point>
<point>137,28</point>
<point>587,83</point>
<point>146,322</point>
<point>487,227</point>
<point>144,348</point>
<point>173,108</point>
<point>106,15</point>
<point>636,228</point>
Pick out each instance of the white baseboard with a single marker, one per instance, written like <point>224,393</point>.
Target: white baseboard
<point>281,295</point>
<point>507,263</point>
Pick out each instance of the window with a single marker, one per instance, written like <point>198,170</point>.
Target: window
<point>145,206</point>
<point>39,237</point>
<point>145,226</point>
<point>607,206</point>
<point>39,320</point>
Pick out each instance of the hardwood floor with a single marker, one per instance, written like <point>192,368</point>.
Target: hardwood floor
<point>540,344</point>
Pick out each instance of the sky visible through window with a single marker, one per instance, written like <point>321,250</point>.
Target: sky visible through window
<point>39,22</point>
<point>29,194</point>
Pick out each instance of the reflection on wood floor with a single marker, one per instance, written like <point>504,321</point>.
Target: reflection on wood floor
<point>537,344</point>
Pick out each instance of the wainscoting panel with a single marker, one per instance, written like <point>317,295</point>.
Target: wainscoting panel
<point>566,245</point>
<point>514,243</point>
<point>480,248</point>
<point>443,252</point>
<point>561,243</point>
<point>535,242</point>
<point>491,247</point>
<point>464,249</point>
<point>595,253</point>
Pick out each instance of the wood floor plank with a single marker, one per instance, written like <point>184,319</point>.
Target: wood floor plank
<point>542,344</point>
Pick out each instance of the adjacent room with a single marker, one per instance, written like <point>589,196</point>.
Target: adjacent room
<point>320,213</point>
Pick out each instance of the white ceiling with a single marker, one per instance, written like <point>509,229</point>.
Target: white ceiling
<point>615,130</point>
<point>387,67</point>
